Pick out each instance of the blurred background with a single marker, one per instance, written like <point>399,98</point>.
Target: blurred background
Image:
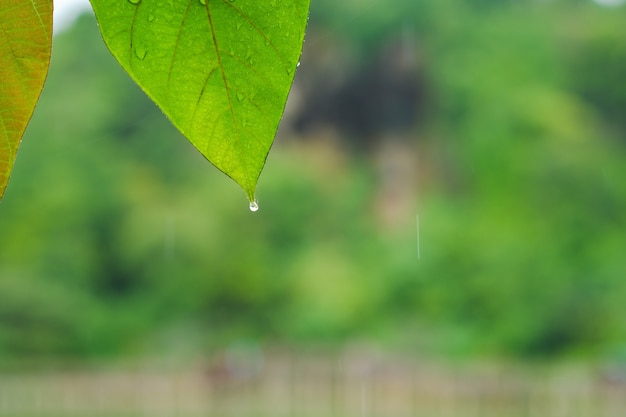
<point>442,228</point>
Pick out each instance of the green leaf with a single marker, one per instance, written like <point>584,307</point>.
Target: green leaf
<point>25,44</point>
<point>221,70</point>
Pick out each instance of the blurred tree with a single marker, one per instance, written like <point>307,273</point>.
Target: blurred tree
<point>520,198</point>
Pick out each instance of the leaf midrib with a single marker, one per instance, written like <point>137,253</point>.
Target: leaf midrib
<point>223,73</point>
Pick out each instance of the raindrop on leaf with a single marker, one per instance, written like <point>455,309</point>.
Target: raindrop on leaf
<point>140,52</point>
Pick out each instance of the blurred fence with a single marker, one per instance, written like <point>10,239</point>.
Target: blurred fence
<point>346,386</point>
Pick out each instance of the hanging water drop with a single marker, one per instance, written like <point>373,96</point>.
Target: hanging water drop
<point>203,2</point>
<point>135,2</point>
<point>151,17</point>
<point>254,206</point>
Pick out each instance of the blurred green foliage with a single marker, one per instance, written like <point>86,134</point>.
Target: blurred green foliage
<point>116,238</point>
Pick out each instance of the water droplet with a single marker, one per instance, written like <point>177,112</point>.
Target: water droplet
<point>241,97</point>
<point>254,206</point>
<point>134,1</point>
<point>298,64</point>
<point>238,24</point>
<point>203,2</point>
<point>151,17</point>
<point>140,52</point>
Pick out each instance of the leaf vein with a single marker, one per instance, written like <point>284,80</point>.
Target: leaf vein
<point>223,73</point>
<point>174,53</point>
<point>41,22</point>
<point>259,31</point>
<point>132,34</point>
<point>195,110</point>
<point>247,65</point>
